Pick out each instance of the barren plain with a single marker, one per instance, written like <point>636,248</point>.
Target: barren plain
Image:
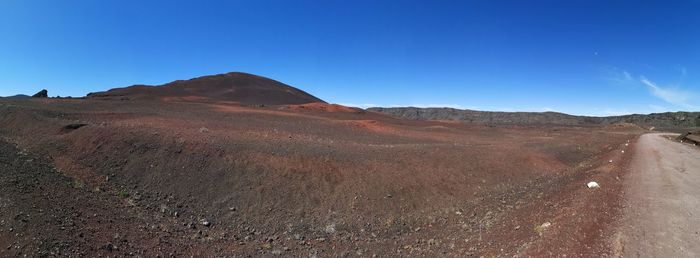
<point>168,178</point>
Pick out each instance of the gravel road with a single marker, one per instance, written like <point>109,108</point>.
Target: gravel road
<point>662,200</point>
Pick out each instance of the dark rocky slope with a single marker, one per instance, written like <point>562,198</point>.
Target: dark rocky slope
<point>664,120</point>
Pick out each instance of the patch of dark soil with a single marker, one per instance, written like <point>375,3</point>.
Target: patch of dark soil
<point>72,127</point>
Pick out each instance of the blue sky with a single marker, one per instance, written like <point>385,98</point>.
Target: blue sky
<point>579,57</point>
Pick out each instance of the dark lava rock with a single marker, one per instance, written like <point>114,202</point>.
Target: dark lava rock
<point>73,126</point>
<point>41,94</point>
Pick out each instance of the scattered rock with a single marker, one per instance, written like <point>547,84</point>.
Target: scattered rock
<point>163,208</point>
<point>203,130</point>
<point>593,184</point>
<point>541,228</point>
<point>298,236</point>
<point>110,247</point>
<point>330,229</point>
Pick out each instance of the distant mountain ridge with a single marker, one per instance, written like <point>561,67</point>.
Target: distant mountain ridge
<point>18,96</point>
<point>237,87</point>
<point>668,119</point>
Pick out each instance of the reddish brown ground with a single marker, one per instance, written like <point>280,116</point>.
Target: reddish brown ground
<point>302,181</point>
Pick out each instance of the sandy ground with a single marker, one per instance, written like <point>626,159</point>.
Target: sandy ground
<point>662,200</point>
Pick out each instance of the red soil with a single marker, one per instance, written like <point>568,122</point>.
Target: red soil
<point>317,179</point>
<point>371,125</point>
<point>624,126</point>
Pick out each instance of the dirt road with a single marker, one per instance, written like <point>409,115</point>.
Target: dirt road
<point>662,200</point>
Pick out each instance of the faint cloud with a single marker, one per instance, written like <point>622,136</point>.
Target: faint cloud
<point>362,106</point>
<point>684,70</point>
<point>365,106</point>
<point>614,112</point>
<point>455,106</point>
<point>670,95</point>
<point>604,112</point>
<point>502,109</point>
<point>626,76</point>
<point>616,75</point>
<point>658,109</point>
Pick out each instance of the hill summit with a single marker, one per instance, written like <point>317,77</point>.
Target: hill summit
<point>243,88</point>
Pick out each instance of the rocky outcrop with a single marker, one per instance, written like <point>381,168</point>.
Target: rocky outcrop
<point>693,137</point>
<point>41,94</point>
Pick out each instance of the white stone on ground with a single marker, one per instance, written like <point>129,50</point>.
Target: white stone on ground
<point>592,184</point>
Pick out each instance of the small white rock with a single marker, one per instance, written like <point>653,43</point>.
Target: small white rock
<point>593,184</point>
<point>330,229</point>
<point>610,161</point>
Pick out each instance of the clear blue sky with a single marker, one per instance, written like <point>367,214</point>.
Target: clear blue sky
<point>580,57</point>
